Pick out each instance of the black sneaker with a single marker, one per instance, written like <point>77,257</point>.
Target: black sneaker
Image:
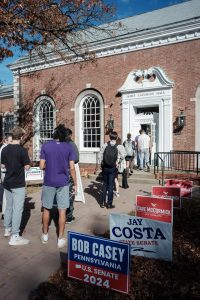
<point>69,221</point>
<point>110,206</point>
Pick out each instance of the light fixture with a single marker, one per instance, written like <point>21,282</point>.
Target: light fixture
<point>110,123</point>
<point>181,119</point>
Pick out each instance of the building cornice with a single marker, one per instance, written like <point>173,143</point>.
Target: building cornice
<point>135,41</point>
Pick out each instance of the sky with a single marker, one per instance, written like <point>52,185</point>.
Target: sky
<point>124,8</point>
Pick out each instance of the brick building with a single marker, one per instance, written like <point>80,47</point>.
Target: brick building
<point>6,109</point>
<point>147,76</point>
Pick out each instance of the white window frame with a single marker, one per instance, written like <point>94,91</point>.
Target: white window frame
<point>81,112</point>
<point>7,114</point>
<point>36,124</point>
<point>79,120</point>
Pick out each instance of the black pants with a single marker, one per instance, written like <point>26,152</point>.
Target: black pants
<point>108,184</point>
<point>124,179</point>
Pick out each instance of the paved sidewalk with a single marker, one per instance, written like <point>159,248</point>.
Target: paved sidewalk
<point>23,268</point>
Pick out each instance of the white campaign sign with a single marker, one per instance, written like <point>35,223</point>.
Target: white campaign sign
<point>80,194</point>
<point>34,173</point>
<point>146,237</point>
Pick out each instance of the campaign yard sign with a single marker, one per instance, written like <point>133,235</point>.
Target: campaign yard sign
<point>160,209</point>
<point>168,192</point>
<point>80,196</point>
<point>184,185</point>
<point>146,237</point>
<point>99,261</point>
<point>34,173</point>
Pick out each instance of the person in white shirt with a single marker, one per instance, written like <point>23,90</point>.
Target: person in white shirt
<point>143,149</point>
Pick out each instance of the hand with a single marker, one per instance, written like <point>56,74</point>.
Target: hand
<point>75,189</point>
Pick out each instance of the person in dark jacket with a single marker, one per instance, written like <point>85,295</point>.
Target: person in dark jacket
<point>109,169</point>
<point>69,213</point>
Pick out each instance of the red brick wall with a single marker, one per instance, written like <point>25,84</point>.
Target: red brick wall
<point>6,105</point>
<point>181,63</point>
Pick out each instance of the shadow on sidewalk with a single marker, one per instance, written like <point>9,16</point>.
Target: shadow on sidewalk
<point>28,206</point>
<point>94,189</point>
<point>54,216</point>
<point>146,193</point>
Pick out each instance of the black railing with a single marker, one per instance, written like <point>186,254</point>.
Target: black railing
<point>182,161</point>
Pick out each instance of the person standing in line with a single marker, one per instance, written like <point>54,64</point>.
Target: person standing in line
<point>136,147</point>
<point>108,156</point>
<point>144,148</point>
<point>57,158</point>
<point>122,164</point>
<point>151,145</point>
<point>15,159</point>
<point>129,146</point>
<point>7,140</point>
<point>69,213</point>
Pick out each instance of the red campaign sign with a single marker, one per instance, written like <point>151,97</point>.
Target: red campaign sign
<point>98,276</point>
<point>159,209</point>
<point>168,192</point>
<point>184,185</point>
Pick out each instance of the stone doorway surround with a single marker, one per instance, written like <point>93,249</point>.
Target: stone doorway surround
<point>148,88</point>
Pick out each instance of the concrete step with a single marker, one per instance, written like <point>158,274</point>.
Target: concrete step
<point>136,177</point>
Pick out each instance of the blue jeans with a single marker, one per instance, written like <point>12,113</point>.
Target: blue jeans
<point>144,157</point>
<point>14,209</point>
<point>108,184</point>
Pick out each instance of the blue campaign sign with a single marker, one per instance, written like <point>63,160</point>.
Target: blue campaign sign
<point>99,261</point>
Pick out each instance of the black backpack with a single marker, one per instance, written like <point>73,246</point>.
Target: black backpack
<point>110,155</point>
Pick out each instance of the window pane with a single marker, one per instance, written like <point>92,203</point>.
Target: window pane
<point>8,124</point>
<point>46,121</point>
<point>91,124</point>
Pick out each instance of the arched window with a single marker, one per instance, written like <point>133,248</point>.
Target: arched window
<point>89,125</point>
<point>44,121</point>
<point>8,123</point>
<point>91,121</point>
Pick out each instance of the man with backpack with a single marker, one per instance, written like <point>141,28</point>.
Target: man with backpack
<point>129,146</point>
<point>108,157</point>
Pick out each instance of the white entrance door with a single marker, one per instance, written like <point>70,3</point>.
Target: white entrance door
<point>148,122</point>
<point>154,136</point>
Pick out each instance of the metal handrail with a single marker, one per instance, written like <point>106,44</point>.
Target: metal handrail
<point>176,160</point>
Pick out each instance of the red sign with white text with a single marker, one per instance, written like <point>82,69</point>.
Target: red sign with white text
<point>184,185</point>
<point>168,192</point>
<point>159,209</point>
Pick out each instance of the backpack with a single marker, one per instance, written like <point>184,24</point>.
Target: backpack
<point>110,156</point>
<point>129,148</point>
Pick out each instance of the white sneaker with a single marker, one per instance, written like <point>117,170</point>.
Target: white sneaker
<point>61,243</point>
<point>7,232</point>
<point>16,240</point>
<point>44,238</point>
<point>116,194</point>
